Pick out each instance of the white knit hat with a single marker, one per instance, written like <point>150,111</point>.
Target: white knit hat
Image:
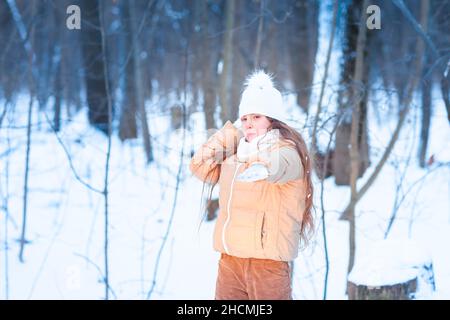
<point>261,97</point>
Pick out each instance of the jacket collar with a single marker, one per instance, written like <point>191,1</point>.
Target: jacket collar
<point>246,149</point>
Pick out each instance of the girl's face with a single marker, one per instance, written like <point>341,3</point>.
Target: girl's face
<point>254,125</point>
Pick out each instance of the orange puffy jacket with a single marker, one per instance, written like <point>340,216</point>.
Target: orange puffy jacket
<point>259,219</point>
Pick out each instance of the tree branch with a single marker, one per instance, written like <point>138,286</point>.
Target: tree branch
<point>443,69</point>
<point>108,153</point>
<point>404,108</point>
<point>313,148</point>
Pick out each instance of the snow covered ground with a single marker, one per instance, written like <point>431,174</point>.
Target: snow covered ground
<point>65,220</point>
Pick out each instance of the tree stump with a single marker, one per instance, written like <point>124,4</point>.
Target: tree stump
<point>394,269</point>
<point>176,117</point>
<point>400,291</point>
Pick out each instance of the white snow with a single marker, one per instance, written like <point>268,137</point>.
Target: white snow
<point>390,262</point>
<point>65,220</point>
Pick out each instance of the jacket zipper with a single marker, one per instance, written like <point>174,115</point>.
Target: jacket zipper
<point>228,209</point>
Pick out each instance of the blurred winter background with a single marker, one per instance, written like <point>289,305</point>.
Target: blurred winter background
<point>98,124</point>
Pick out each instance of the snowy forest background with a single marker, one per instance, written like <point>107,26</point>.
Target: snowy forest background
<point>97,126</point>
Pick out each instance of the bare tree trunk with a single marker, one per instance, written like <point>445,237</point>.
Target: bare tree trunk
<point>57,79</point>
<point>341,167</point>
<point>348,97</point>
<point>444,65</point>
<point>209,103</point>
<point>127,122</point>
<point>196,24</point>
<point>303,44</point>
<point>354,136</point>
<point>209,59</point>
<point>226,77</point>
<point>93,64</point>
<point>57,106</point>
<point>259,34</point>
<point>108,152</point>
<point>138,85</point>
<point>71,62</point>
<point>28,41</point>
<point>322,205</point>
<point>239,68</point>
<point>445,85</point>
<point>4,112</point>
<point>23,240</point>
<point>42,48</point>
<point>426,119</point>
<point>313,147</point>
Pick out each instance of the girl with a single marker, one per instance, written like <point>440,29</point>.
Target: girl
<point>265,196</point>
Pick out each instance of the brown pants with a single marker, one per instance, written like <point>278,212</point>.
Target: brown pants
<point>254,279</point>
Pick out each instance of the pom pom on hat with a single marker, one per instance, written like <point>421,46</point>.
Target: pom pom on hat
<point>261,97</point>
<point>259,79</point>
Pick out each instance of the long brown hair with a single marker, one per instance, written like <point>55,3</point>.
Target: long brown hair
<point>288,133</point>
